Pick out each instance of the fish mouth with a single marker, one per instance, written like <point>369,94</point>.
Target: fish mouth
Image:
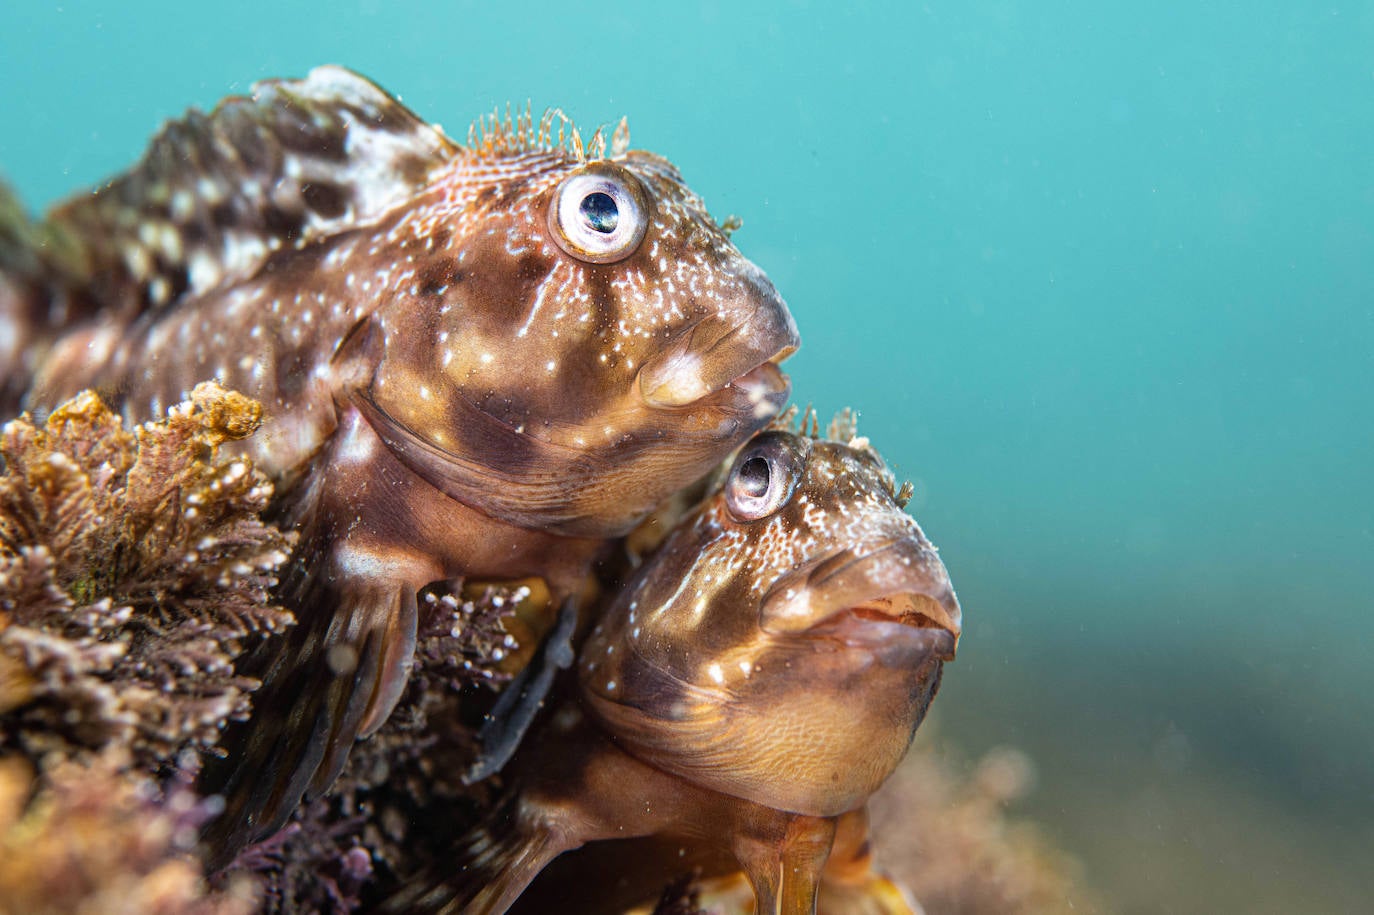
<point>896,590</point>
<point>919,611</point>
<point>885,622</point>
<point>761,391</point>
<point>715,364</point>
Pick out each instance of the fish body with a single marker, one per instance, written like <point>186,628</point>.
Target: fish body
<point>477,361</point>
<point>746,691</point>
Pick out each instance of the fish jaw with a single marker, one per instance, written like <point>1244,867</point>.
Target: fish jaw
<point>714,354</point>
<point>866,597</point>
<point>898,629</point>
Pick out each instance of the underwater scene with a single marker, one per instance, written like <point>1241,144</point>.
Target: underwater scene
<point>474,526</point>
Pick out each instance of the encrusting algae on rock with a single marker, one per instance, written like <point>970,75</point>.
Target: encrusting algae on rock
<point>97,840</point>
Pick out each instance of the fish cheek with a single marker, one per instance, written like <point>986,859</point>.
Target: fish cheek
<point>454,336</point>
<point>435,278</point>
<point>648,632</point>
<point>587,358</point>
<point>495,291</point>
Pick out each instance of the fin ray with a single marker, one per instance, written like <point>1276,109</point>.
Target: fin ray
<point>216,194</point>
<point>319,681</point>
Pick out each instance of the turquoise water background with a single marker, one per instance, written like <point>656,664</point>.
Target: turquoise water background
<point>1100,279</point>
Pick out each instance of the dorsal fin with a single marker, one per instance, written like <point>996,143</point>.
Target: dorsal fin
<point>217,193</point>
<point>41,287</point>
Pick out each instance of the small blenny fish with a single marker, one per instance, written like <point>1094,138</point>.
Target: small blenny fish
<point>748,689</point>
<point>476,361</point>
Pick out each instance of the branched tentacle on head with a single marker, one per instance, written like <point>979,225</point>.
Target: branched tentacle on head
<point>843,429</point>
<point>516,132</point>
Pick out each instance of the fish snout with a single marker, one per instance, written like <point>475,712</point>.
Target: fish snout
<point>739,345</point>
<point>901,581</point>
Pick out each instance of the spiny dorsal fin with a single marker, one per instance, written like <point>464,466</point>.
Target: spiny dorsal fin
<point>32,250</point>
<point>216,194</point>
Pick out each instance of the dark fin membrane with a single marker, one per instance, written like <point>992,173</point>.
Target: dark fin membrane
<point>216,194</point>
<point>513,713</point>
<point>350,655</point>
<point>487,871</point>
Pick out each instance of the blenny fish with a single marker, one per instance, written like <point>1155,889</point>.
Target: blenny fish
<point>476,361</point>
<point>747,690</point>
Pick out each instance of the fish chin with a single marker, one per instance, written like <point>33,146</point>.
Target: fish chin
<point>556,483</point>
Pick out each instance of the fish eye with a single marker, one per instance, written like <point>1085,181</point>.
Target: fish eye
<point>599,215</point>
<point>762,479</point>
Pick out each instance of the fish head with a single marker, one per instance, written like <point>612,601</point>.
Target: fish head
<point>786,640</point>
<point>577,340</point>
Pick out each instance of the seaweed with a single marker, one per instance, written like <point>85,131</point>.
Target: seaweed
<point>87,837</point>
<point>134,570</point>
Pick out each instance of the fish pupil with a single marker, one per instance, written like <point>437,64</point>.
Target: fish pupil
<point>753,477</point>
<point>600,211</point>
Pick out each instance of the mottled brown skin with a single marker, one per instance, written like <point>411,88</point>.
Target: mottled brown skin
<point>749,688</point>
<point>458,382</point>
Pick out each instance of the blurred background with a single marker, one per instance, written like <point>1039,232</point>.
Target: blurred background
<point>1100,281</point>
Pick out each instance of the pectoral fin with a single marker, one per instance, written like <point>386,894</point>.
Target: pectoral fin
<point>487,871</point>
<point>336,673</point>
<point>523,697</point>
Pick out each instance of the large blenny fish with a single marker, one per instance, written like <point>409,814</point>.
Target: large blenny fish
<point>476,361</point>
<point>748,689</point>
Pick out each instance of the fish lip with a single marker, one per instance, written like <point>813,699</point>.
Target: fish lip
<point>682,387</point>
<point>762,391</point>
<point>893,586</point>
<point>711,357</point>
<point>881,623</point>
<point>938,600</point>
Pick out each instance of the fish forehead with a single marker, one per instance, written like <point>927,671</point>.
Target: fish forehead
<point>843,500</point>
<point>498,209</point>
